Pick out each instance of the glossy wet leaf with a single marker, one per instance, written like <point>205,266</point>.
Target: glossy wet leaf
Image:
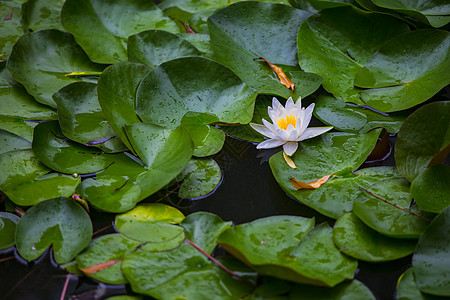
<point>430,260</point>
<point>59,222</point>
<point>208,140</point>
<point>315,6</point>
<point>10,29</point>
<point>150,222</point>
<point>406,71</point>
<point>242,32</point>
<point>8,223</point>
<point>423,135</point>
<point>357,240</point>
<point>10,142</point>
<point>43,14</point>
<point>40,60</point>
<point>407,288</point>
<point>431,190</point>
<point>193,90</point>
<point>336,43</point>
<point>386,218</point>
<point>102,28</point>
<point>330,153</point>
<point>349,117</point>
<point>164,245</point>
<point>107,248</point>
<point>62,155</point>
<point>117,95</point>
<point>200,178</point>
<point>201,41</point>
<point>184,272</point>
<point>81,117</point>
<point>153,47</point>
<point>352,290</point>
<point>26,181</point>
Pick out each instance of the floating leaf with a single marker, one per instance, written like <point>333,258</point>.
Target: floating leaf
<point>102,28</point>
<point>406,71</point>
<point>422,137</point>
<point>43,14</point>
<point>40,60</point>
<point>8,223</point>
<point>150,222</point>
<point>11,142</point>
<point>284,80</point>
<point>102,259</point>
<point>430,260</point>
<point>336,43</point>
<point>153,47</point>
<point>407,288</point>
<point>353,290</point>
<point>69,230</point>
<point>11,27</point>
<point>208,140</point>
<point>200,178</point>
<point>247,30</point>
<point>357,240</point>
<point>298,185</point>
<point>315,6</point>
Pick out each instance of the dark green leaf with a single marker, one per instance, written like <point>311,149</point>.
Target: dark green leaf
<point>353,290</point>
<point>43,14</point>
<point>407,288</point>
<point>200,178</point>
<point>8,223</point>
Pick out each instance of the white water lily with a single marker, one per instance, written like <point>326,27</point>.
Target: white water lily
<point>288,127</point>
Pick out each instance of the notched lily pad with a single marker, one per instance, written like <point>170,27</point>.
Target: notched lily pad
<point>200,178</point>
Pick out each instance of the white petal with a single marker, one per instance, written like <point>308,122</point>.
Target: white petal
<point>276,105</point>
<point>298,103</point>
<point>264,130</point>
<point>290,148</point>
<point>289,104</point>
<point>272,143</point>
<point>272,127</point>
<point>282,134</point>
<point>307,114</point>
<point>312,132</point>
<point>291,133</point>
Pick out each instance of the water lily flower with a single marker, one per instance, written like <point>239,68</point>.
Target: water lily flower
<point>288,127</point>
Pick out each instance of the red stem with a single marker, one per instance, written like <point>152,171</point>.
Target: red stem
<point>66,284</point>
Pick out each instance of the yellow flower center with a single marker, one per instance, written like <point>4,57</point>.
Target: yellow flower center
<point>284,123</point>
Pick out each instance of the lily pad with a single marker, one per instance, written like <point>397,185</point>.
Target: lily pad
<point>357,240</point>
<point>314,6</point>
<point>352,290</point>
<point>201,41</point>
<point>81,118</point>
<point>388,219</point>
<point>245,31</point>
<point>331,153</point>
<point>43,14</point>
<point>11,142</point>
<point>354,118</point>
<point>208,140</point>
<point>431,190</point>
<point>8,223</point>
<point>406,71</point>
<point>108,248</point>
<point>69,230</point>
<point>423,140</point>
<point>153,222</point>
<point>430,260</point>
<point>117,95</point>
<point>199,179</point>
<point>407,288</point>
<point>41,60</point>
<point>153,47</point>
<point>11,27</point>
<point>102,28</point>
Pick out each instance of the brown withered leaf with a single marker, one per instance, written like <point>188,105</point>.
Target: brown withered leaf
<point>280,73</point>
<point>100,266</point>
<point>300,185</point>
<point>289,161</point>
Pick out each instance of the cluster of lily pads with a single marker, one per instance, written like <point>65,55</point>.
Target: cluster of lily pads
<point>105,103</point>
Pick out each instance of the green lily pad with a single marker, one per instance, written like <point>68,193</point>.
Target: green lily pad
<point>242,32</point>
<point>43,14</point>
<point>24,179</point>
<point>200,178</point>
<point>352,290</point>
<point>314,6</point>
<point>357,240</point>
<point>8,223</point>
<point>198,22</point>
<point>184,272</point>
<point>10,28</point>
<point>81,117</point>
<point>386,218</point>
<point>430,260</point>
<point>353,118</point>
<point>331,153</point>
<point>431,190</point>
<point>62,155</point>
<point>153,47</point>
<point>193,90</point>
<point>208,140</point>
<point>69,230</point>
<point>423,139</point>
<point>406,71</point>
<point>41,60</point>
<point>288,248</point>
<point>117,95</point>
<point>201,41</point>
<point>164,245</point>
<point>346,38</point>
<point>11,142</point>
<point>107,248</point>
<point>102,28</point>
<point>407,288</point>
<point>150,222</point>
